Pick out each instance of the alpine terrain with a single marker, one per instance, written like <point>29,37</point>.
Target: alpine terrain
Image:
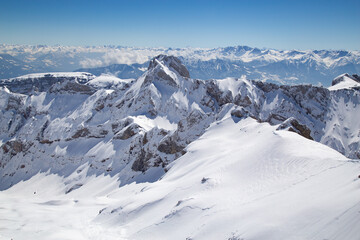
<point>167,156</point>
<point>317,67</point>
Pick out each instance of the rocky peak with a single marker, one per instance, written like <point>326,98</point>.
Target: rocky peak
<point>345,77</point>
<point>345,81</point>
<point>173,63</point>
<point>166,73</point>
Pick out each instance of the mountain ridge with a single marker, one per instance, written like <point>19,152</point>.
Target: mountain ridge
<point>278,66</point>
<point>149,122</point>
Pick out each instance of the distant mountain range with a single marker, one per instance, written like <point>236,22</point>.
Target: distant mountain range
<point>284,67</point>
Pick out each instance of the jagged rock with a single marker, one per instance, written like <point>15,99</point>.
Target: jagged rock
<point>129,132</point>
<point>71,87</point>
<point>293,125</point>
<point>341,78</point>
<point>164,72</point>
<point>266,87</point>
<point>356,77</point>
<point>170,146</point>
<point>141,162</point>
<point>30,83</point>
<point>83,132</point>
<point>172,62</point>
<point>117,126</point>
<point>15,146</point>
<point>238,113</point>
<point>275,119</point>
<point>243,101</point>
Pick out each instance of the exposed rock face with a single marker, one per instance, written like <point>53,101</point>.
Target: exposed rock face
<point>129,132</point>
<point>342,77</point>
<point>42,82</point>
<point>293,125</point>
<point>141,163</point>
<point>165,71</point>
<point>146,124</point>
<point>170,147</point>
<point>71,87</point>
<point>83,132</point>
<point>173,62</point>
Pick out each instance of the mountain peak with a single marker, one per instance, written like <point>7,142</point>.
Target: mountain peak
<point>345,81</point>
<point>173,63</point>
<point>166,71</point>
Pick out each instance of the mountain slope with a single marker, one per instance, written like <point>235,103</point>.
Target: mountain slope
<point>120,70</point>
<point>11,66</point>
<point>239,180</point>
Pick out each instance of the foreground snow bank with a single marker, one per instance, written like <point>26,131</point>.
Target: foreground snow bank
<point>240,180</point>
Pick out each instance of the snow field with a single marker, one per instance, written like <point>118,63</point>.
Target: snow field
<point>243,180</point>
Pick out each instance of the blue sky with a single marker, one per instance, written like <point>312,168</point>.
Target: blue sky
<point>291,24</point>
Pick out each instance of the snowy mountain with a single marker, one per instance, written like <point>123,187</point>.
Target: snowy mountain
<point>119,70</point>
<point>345,81</point>
<point>41,82</point>
<point>277,66</point>
<point>10,67</point>
<point>216,159</point>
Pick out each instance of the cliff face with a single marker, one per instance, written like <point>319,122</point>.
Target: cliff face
<point>42,82</point>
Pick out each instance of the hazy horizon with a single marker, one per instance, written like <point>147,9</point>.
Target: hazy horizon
<point>175,47</point>
<point>282,25</point>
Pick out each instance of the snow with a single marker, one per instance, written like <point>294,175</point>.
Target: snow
<point>60,151</point>
<point>345,83</point>
<point>241,180</point>
<point>47,213</point>
<point>159,122</point>
<point>102,150</point>
<point>181,99</point>
<point>106,81</point>
<point>231,84</point>
<point>54,74</point>
<point>343,126</point>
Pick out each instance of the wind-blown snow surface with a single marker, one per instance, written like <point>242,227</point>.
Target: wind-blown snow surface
<point>240,180</point>
<point>168,156</point>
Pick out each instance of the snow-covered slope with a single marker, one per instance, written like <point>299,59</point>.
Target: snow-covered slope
<point>11,66</point>
<point>239,180</point>
<point>41,82</point>
<point>345,81</point>
<point>107,81</point>
<point>174,144</point>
